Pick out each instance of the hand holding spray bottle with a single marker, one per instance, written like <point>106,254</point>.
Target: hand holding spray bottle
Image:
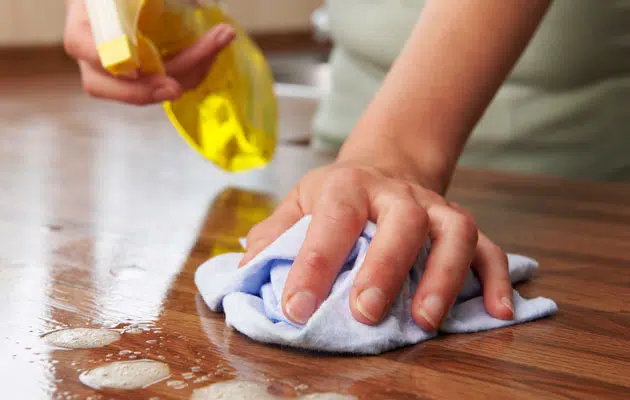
<point>231,117</point>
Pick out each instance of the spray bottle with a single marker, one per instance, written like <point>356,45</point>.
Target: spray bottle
<point>231,117</point>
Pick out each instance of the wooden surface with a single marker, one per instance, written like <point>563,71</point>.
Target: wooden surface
<point>105,214</point>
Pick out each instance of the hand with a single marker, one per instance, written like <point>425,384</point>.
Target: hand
<point>184,71</point>
<point>341,198</point>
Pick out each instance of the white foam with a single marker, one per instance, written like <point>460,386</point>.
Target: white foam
<point>245,390</point>
<point>82,338</point>
<point>126,375</point>
<point>233,390</point>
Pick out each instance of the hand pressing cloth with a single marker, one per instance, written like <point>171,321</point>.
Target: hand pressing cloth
<point>250,298</point>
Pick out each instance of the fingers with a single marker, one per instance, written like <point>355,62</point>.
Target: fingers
<point>79,43</point>
<point>143,91</point>
<point>78,39</point>
<point>491,265</point>
<point>402,229</point>
<point>338,219</point>
<point>202,52</point>
<point>186,70</point>
<point>340,201</point>
<point>263,234</point>
<point>454,240</point>
<point>191,66</point>
<point>493,270</point>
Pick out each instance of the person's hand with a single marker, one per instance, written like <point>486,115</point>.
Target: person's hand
<point>342,197</point>
<point>184,71</point>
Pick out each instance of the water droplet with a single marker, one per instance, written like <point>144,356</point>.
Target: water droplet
<point>201,379</point>
<point>188,375</point>
<point>175,384</point>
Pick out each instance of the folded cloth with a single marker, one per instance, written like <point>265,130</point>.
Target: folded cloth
<point>250,298</point>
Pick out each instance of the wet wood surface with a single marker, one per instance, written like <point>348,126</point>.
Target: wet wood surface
<point>105,214</point>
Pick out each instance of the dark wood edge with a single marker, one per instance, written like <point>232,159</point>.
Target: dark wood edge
<point>290,41</point>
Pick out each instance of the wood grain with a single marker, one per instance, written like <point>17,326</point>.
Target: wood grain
<point>89,188</point>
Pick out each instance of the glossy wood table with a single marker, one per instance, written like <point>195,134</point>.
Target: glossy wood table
<point>105,214</point>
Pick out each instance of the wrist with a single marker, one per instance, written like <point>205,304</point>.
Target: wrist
<point>424,166</point>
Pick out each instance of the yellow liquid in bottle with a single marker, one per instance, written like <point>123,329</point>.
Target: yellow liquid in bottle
<point>231,117</point>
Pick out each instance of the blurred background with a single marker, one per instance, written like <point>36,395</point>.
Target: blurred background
<point>293,34</point>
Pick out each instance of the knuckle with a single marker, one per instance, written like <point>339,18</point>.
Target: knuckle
<point>434,198</point>
<point>345,212</point>
<point>449,271</point>
<point>502,258</point>
<point>315,260</point>
<point>346,177</point>
<point>391,268</point>
<point>90,88</point>
<point>344,216</point>
<point>69,46</point>
<point>414,214</point>
<point>465,226</point>
<point>494,248</point>
<point>409,189</point>
<point>139,99</point>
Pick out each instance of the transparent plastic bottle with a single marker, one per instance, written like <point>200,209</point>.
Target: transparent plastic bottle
<point>231,118</point>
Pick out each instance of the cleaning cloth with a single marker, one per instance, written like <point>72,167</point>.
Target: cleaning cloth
<point>250,298</point>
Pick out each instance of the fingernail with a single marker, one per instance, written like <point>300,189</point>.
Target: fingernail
<point>431,310</point>
<point>301,306</point>
<point>371,304</point>
<point>225,35</point>
<point>508,304</point>
<point>164,94</point>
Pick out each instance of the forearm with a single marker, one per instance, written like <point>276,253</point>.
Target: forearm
<point>446,75</point>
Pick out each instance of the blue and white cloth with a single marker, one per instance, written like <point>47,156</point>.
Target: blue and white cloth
<point>250,298</point>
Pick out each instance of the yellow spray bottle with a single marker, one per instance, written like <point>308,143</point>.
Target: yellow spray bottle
<point>231,118</point>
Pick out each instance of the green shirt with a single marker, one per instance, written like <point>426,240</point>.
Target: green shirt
<point>564,110</point>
